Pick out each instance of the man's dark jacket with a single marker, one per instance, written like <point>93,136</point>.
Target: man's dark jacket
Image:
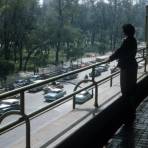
<point>126,53</point>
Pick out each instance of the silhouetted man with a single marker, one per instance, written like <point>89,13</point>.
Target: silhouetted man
<point>128,68</point>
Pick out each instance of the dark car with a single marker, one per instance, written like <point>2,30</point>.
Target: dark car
<point>97,73</point>
<point>9,87</point>
<point>57,84</point>
<point>44,76</point>
<point>70,77</point>
<point>38,88</point>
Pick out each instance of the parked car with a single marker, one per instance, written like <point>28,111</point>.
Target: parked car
<point>115,69</point>
<point>2,90</point>
<point>57,84</point>
<point>54,94</point>
<point>97,73</point>
<point>70,77</point>
<point>35,77</point>
<point>9,87</point>
<point>82,97</point>
<point>102,68</point>
<point>20,83</point>
<point>38,88</point>
<point>44,76</point>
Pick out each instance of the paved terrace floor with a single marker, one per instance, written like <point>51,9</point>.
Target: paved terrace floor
<point>136,134</point>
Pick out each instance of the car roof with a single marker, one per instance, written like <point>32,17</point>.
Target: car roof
<point>4,105</point>
<point>37,81</point>
<point>54,89</point>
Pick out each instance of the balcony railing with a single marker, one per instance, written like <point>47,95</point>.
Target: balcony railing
<point>25,118</point>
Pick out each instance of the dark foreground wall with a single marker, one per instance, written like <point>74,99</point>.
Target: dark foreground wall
<point>96,133</point>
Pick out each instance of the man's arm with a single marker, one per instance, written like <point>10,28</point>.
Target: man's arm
<point>119,52</point>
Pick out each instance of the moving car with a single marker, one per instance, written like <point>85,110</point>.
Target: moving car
<point>9,104</point>
<point>82,97</point>
<point>54,94</point>
<point>14,103</point>
<point>4,108</point>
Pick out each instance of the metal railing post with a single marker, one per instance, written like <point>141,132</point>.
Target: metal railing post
<point>73,105</point>
<point>96,87</point>
<point>22,103</point>
<point>93,74</point>
<point>143,52</point>
<point>27,132</point>
<point>27,121</point>
<point>96,95</point>
<point>111,81</point>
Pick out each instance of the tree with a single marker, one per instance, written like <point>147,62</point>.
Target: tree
<point>6,69</point>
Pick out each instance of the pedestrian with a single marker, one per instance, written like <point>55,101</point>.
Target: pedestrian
<point>126,61</point>
<point>86,77</point>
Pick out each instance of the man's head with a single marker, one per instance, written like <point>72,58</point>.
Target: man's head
<point>128,30</point>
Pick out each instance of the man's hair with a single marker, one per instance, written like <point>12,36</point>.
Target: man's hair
<point>128,29</point>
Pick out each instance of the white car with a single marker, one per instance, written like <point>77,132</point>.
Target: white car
<point>8,105</point>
